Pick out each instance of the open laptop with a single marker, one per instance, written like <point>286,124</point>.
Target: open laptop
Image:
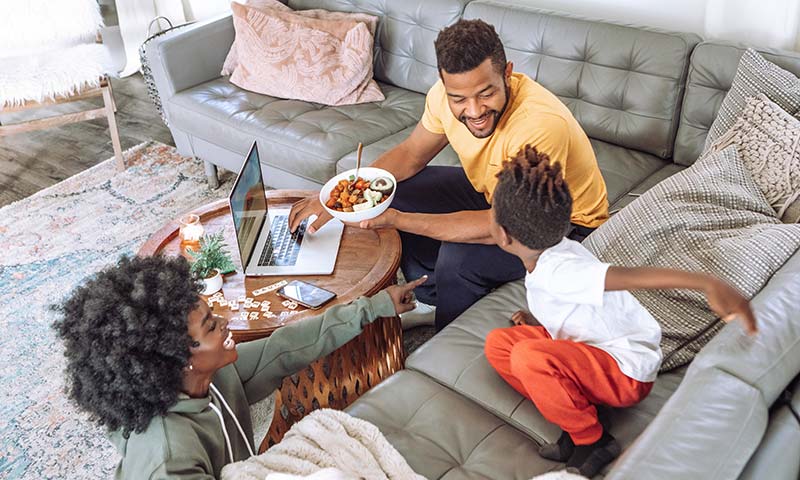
<point>266,246</point>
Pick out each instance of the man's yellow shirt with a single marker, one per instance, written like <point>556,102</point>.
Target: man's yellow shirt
<point>533,116</point>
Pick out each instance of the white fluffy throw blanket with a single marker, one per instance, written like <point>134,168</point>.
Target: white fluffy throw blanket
<point>47,49</point>
<point>332,445</point>
<point>327,444</point>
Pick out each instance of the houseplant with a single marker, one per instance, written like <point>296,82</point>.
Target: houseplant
<point>210,262</point>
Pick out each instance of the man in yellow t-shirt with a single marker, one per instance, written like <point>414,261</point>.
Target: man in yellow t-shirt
<point>487,113</point>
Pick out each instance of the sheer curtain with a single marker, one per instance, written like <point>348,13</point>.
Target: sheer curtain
<point>135,16</point>
<point>761,23</point>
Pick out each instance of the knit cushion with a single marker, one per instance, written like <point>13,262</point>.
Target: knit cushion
<point>754,76</point>
<point>768,141</point>
<point>712,218</point>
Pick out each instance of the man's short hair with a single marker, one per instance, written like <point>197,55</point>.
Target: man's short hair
<point>531,200</point>
<point>466,44</point>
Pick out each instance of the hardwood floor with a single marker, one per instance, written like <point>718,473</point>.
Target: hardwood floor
<point>33,161</point>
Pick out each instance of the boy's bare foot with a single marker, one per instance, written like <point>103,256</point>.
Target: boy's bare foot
<point>523,317</point>
<point>588,460</point>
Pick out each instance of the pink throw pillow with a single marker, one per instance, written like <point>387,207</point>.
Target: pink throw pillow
<point>232,60</point>
<point>317,57</point>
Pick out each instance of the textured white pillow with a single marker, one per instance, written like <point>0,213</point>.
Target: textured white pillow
<point>755,75</point>
<point>768,141</point>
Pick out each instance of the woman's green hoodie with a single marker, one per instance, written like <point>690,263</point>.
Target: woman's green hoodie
<point>188,442</point>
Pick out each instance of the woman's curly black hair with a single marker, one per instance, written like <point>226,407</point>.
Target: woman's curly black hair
<point>532,201</point>
<point>125,333</point>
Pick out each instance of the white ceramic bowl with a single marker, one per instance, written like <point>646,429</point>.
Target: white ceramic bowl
<point>367,173</point>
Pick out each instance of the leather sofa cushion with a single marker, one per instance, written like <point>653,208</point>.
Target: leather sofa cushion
<point>711,73</point>
<point>307,139</point>
<point>772,359</point>
<point>778,454</point>
<point>623,84</point>
<point>454,358</point>
<point>445,436</point>
<point>623,169</point>
<point>371,152</point>
<point>667,171</point>
<point>707,430</point>
<point>404,53</point>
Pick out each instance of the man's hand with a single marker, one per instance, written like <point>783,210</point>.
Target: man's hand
<point>401,295</point>
<point>729,304</point>
<point>386,219</point>
<point>303,209</point>
<point>523,317</point>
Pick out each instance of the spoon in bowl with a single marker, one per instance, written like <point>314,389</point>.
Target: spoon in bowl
<point>358,158</point>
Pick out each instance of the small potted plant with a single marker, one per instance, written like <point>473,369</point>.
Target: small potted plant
<point>211,261</point>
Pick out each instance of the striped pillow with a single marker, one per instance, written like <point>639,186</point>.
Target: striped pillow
<point>755,75</point>
<point>709,218</point>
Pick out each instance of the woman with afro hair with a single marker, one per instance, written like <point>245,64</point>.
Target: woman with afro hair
<point>148,360</point>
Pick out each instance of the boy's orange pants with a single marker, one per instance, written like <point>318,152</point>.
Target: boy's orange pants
<point>564,379</point>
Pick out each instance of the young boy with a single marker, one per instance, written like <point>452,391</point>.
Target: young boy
<point>596,344</point>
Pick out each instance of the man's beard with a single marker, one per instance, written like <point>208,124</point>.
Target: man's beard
<point>494,114</point>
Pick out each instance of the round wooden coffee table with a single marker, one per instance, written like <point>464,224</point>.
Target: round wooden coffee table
<point>367,262</point>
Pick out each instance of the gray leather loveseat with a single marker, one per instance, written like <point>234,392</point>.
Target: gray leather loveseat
<point>646,98</point>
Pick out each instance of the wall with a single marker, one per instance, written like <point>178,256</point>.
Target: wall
<point>764,23</point>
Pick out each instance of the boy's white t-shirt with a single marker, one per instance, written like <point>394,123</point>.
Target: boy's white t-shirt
<point>566,293</point>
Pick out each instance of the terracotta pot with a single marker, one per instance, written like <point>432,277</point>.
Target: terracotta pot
<point>212,284</point>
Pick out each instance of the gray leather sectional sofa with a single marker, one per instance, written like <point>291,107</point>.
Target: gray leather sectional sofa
<point>646,98</point>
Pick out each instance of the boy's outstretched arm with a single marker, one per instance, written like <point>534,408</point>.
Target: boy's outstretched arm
<point>723,299</point>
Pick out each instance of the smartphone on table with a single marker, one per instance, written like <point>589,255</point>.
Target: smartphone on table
<point>306,294</point>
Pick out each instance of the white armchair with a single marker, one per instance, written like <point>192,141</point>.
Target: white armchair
<point>48,55</point>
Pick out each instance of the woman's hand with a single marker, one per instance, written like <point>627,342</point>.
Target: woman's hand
<point>401,295</point>
<point>729,304</point>
<point>523,317</point>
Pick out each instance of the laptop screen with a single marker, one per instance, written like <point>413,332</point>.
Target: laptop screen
<point>248,205</point>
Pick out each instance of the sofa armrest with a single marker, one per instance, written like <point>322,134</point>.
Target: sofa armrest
<point>716,419</point>
<point>770,360</point>
<point>708,429</point>
<point>193,56</point>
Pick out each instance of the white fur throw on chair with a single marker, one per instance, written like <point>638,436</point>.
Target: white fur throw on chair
<point>28,25</point>
<point>47,50</point>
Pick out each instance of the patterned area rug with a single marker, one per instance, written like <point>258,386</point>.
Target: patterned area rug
<point>50,242</point>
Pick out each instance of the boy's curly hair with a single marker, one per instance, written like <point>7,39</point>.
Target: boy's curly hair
<point>464,45</point>
<point>125,333</point>
<point>532,201</point>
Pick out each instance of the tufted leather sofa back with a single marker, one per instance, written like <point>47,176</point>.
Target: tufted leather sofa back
<point>623,84</point>
<point>711,73</point>
<point>404,53</point>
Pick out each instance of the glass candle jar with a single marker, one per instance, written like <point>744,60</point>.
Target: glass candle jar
<point>191,229</point>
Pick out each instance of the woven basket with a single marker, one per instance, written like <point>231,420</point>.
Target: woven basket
<point>152,91</point>
<point>339,379</point>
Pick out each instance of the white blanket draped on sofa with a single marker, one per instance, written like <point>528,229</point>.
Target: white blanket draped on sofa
<point>332,445</point>
<point>327,444</point>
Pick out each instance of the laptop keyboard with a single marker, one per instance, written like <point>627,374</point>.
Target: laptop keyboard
<point>282,246</point>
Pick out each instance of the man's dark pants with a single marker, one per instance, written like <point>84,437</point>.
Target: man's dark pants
<point>459,274</point>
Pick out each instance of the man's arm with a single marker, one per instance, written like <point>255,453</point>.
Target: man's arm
<point>403,161</point>
<point>723,299</point>
<point>468,226</point>
<point>412,154</point>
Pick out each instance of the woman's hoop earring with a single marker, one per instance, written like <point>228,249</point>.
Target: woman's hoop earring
<point>191,367</point>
